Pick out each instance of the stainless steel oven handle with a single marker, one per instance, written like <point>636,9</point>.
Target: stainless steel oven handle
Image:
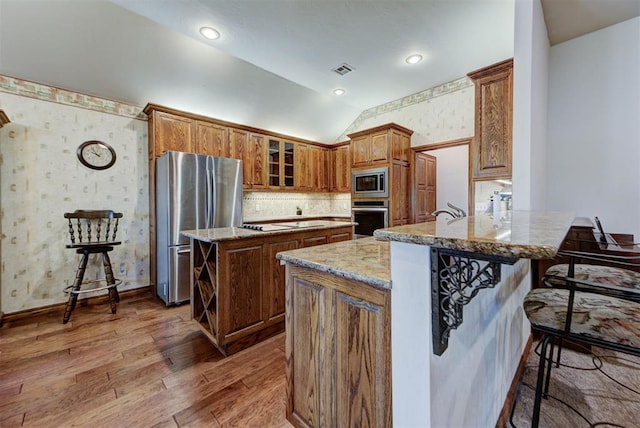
<point>373,209</point>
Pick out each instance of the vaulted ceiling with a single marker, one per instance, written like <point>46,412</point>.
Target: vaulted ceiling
<point>271,67</point>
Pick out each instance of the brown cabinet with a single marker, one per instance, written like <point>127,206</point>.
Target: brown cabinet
<point>281,160</point>
<point>492,145</point>
<point>257,162</point>
<point>339,365</point>
<point>340,169</point>
<point>238,285</point>
<point>171,132</point>
<point>212,139</point>
<point>380,145</point>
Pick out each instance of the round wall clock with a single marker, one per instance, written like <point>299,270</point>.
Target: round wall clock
<point>96,154</point>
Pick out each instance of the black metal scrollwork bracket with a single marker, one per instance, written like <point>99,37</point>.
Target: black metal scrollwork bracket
<point>456,278</point>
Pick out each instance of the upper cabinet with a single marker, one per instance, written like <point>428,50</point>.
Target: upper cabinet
<point>170,132</point>
<point>212,139</point>
<point>340,169</point>
<point>269,162</point>
<point>380,145</point>
<point>491,147</point>
<point>281,157</point>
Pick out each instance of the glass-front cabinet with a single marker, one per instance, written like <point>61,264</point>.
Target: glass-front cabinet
<point>281,161</point>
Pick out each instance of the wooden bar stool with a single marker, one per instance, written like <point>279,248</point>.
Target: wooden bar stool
<point>92,232</point>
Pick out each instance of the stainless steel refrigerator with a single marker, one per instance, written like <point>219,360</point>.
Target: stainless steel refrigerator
<point>192,192</point>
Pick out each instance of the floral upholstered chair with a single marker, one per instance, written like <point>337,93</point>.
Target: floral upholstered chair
<point>591,305</point>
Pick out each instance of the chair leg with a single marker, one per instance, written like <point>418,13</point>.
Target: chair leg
<point>545,393</point>
<point>73,297</point>
<point>535,419</point>
<point>108,272</point>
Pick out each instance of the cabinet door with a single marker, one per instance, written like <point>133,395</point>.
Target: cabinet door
<point>400,145</point>
<point>363,371</point>
<point>303,172</point>
<point>424,187</point>
<point>172,133</point>
<point>342,172</point>
<point>338,352</point>
<point>276,279</point>
<point>379,147</point>
<point>396,199</point>
<point>360,151</point>
<point>258,161</point>
<point>494,117</point>
<point>211,139</point>
<point>274,163</point>
<point>315,240</point>
<point>239,149</point>
<point>241,272</point>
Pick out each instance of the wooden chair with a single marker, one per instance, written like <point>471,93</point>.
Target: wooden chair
<point>583,311</point>
<point>92,232</point>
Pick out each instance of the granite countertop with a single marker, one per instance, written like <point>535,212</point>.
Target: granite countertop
<point>365,260</point>
<point>232,233</point>
<point>523,234</point>
<point>267,218</point>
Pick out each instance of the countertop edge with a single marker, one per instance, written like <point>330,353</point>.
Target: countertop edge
<point>482,247</point>
<point>378,283</point>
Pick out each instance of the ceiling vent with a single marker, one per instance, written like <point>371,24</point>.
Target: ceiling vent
<point>343,69</point>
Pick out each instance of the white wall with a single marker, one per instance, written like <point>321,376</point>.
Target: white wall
<point>452,178</point>
<point>531,49</point>
<point>593,154</point>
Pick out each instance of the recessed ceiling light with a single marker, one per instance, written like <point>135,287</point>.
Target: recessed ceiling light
<point>209,33</point>
<point>414,59</point>
<point>339,91</point>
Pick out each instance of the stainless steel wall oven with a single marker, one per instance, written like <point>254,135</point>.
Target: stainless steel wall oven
<point>370,215</point>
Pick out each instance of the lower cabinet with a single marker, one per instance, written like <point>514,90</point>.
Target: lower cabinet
<point>338,351</point>
<point>238,286</point>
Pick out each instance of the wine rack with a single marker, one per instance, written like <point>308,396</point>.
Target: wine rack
<point>205,292</point>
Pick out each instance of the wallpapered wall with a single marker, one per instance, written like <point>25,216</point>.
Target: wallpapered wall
<point>41,179</point>
<point>435,115</point>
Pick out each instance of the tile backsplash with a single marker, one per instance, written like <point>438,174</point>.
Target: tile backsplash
<point>268,205</point>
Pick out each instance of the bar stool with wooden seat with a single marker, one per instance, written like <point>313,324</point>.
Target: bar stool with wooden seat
<point>92,232</point>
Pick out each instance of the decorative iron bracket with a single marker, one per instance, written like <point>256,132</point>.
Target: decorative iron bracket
<point>456,278</point>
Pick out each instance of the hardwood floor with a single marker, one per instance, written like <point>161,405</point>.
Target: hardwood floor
<point>145,366</point>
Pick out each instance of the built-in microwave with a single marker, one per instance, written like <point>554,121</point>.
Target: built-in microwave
<point>370,183</point>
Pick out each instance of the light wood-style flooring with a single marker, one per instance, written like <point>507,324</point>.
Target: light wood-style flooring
<point>146,366</point>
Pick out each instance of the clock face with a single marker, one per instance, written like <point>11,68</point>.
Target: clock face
<point>96,155</point>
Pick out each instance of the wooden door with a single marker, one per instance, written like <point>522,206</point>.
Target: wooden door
<point>424,187</point>
<point>211,139</point>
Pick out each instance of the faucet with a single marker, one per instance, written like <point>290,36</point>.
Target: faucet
<point>454,212</point>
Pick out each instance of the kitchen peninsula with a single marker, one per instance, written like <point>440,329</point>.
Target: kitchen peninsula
<point>237,285</point>
<point>361,325</point>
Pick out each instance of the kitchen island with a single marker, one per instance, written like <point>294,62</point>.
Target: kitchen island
<point>237,285</point>
<point>443,371</point>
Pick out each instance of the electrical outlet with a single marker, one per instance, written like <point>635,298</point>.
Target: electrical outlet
<point>123,268</point>
<point>257,207</point>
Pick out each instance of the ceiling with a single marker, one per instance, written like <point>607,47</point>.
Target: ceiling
<point>271,67</point>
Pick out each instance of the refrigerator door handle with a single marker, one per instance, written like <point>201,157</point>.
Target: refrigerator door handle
<point>207,198</point>
<point>184,251</point>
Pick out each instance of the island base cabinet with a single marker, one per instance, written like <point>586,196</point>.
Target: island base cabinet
<point>337,351</point>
